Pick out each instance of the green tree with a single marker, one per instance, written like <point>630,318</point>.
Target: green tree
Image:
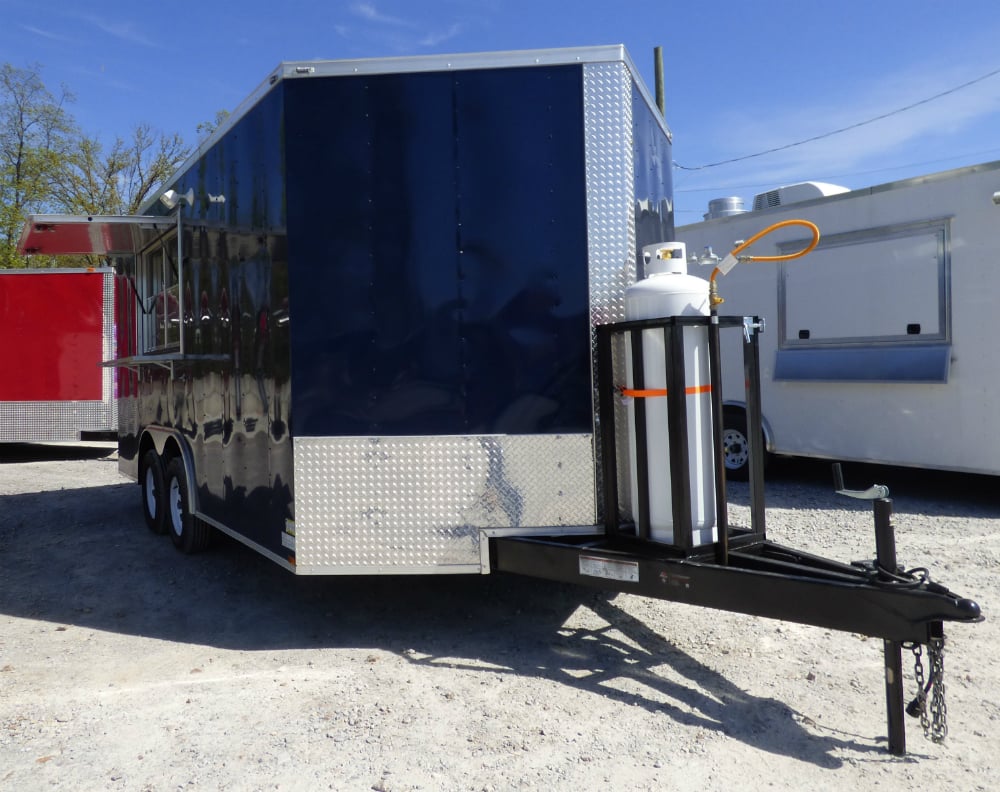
<point>206,128</point>
<point>37,134</point>
<point>47,165</point>
<point>118,179</point>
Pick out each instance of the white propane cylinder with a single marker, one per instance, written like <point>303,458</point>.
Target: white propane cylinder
<point>668,291</point>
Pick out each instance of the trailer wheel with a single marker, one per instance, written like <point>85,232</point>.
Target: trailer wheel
<point>189,534</point>
<point>736,443</point>
<point>152,484</point>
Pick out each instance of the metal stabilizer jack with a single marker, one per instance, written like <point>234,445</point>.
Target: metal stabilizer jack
<point>753,575</point>
<point>886,566</point>
<point>872,493</point>
<point>889,573</point>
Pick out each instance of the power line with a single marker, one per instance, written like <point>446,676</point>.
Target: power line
<point>906,166</point>
<point>842,129</point>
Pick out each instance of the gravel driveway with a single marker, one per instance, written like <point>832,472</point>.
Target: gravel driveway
<point>127,666</point>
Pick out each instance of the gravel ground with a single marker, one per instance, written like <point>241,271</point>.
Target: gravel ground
<point>127,666</point>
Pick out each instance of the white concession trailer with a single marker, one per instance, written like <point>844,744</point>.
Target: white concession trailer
<point>876,347</point>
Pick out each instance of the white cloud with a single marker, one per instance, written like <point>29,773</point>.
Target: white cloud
<point>433,39</point>
<point>47,34</point>
<point>123,31</point>
<point>369,12</point>
<point>400,33</point>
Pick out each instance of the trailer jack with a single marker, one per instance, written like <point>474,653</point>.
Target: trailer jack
<point>743,571</point>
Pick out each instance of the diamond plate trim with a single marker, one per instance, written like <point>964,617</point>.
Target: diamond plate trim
<point>386,505</point>
<point>610,219</point>
<point>610,172</point>
<point>51,421</point>
<point>109,416</point>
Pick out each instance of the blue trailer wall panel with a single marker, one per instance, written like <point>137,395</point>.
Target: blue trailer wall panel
<point>437,253</point>
<point>234,412</point>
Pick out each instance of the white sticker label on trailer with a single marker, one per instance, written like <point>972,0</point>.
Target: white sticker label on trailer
<point>610,569</point>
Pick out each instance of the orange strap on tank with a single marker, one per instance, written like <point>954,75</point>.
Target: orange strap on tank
<point>649,393</point>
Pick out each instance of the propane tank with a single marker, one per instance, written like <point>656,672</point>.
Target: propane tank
<point>667,290</point>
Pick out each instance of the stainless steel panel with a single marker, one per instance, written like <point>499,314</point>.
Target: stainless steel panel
<point>386,505</point>
<point>109,349</point>
<point>52,421</point>
<point>610,188</point>
<point>610,219</point>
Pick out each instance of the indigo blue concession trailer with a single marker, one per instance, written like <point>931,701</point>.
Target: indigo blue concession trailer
<point>391,318</point>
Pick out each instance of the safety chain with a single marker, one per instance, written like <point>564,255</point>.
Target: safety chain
<point>939,710</point>
<point>935,725</point>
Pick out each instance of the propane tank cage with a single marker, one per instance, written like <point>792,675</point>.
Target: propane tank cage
<point>742,571</point>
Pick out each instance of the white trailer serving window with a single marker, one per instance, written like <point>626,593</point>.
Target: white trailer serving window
<point>157,285</point>
<point>869,305</point>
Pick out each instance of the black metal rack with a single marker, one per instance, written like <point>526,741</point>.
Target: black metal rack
<point>742,571</point>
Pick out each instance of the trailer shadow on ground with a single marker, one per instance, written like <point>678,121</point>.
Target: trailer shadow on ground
<point>11,453</point>
<point>637,667</point>
<point>82,560</point>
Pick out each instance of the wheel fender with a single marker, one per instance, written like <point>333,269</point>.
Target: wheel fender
<point>170,442</point>
<point>764,425</point>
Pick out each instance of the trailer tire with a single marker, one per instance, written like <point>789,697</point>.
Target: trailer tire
<point>189,534</point>
<point>736,445</point>
<point>153,489</point>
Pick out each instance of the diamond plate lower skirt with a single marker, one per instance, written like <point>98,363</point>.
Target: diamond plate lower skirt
<point>388,505</point>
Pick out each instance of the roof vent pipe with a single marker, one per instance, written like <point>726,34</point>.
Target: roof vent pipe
<point>724,207</point>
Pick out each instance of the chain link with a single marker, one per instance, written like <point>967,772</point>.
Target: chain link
<point>939,710</point>
<point>935,725</point>
<point>918,673</point>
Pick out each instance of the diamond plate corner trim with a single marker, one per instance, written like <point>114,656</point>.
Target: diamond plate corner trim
<point>389,504</point>
<point>610,170</point>
<point>610,173</point>
<point>109,419</point>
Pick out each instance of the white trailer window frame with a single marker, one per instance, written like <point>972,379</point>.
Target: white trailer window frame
<point>876,306</point>
<point>158,288</point>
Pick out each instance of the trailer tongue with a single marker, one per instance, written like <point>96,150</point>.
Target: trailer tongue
<point>742,571</point>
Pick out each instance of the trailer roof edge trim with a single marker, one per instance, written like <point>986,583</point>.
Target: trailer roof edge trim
<point>453,62</point>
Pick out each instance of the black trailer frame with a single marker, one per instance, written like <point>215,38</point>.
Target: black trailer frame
<point>742,571</point>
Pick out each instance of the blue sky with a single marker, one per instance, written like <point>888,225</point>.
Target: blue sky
<point>741,77</point>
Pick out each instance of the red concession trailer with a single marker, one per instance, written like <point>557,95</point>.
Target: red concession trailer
<point>56,328</point>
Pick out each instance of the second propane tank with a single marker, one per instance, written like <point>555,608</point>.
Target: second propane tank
<point>667,290</point>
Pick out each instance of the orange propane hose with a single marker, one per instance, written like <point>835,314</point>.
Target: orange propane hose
<point>732,257</point>
<point>786,256</point>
